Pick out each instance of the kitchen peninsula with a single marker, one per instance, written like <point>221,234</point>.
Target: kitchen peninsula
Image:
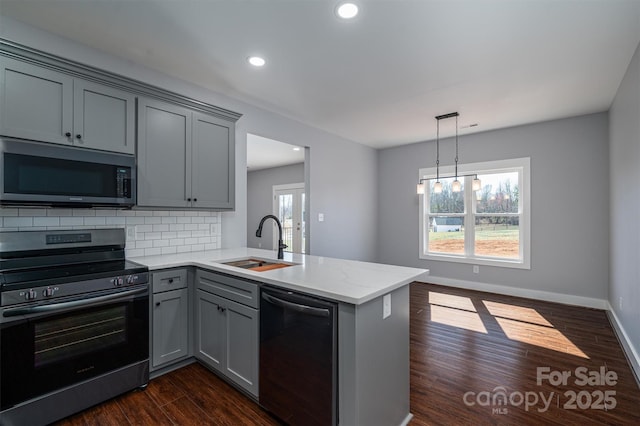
<point>372,320</point>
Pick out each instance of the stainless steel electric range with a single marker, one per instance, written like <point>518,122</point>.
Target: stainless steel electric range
<point>74,320</point>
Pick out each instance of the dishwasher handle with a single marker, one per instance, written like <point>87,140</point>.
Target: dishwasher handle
<point>304,309</point>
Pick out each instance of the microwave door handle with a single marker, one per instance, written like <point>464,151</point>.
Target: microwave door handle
<point>71,304</point>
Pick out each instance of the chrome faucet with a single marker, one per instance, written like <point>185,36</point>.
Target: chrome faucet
<point>281,245</point>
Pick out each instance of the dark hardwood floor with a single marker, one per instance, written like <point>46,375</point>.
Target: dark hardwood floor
<point>463,342</point>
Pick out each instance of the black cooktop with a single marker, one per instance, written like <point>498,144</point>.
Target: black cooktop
<point>33,277</point>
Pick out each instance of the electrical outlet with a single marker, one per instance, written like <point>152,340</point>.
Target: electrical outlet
<point>131,233</point>
<point>386,306</point>
<point>620,303</point>
<point>320,217</point>
<point>476,269</point>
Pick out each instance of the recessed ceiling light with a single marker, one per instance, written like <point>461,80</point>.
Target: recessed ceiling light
<point>256,61</point>
<point>347,10</point>
<point>297,148</point>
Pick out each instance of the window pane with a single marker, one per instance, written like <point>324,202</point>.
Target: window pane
<point>500,193</point>
<point>446,234</point>
<point>497,236</point>
<point>447,201</point>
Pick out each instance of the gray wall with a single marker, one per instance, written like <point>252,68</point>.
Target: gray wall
<point>624,133</point>
<point>259,202</point>
<point>569,197</point>
<point>341,171</point>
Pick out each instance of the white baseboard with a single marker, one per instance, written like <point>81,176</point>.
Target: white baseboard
<point>629,350</point>
<point>547,296</point>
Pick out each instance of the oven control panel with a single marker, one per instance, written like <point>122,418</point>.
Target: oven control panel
<point>44,293</point>
<point>133,279</point>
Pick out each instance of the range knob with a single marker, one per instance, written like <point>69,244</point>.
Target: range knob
<point>131,279</point>
<point>49,291</point>
<point>30,294</point>
<point>117,281</point>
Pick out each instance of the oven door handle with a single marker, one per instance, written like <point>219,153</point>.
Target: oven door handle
<point>71,304</point>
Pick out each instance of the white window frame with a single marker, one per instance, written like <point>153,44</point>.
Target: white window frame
<point>520,165</point>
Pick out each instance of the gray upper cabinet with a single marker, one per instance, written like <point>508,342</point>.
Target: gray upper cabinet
<point>213,160</point>
<point>103,118</point>
<point>41,104</point>
<point>185,158</point>
<point>35,103</point>
<point>164,148</point>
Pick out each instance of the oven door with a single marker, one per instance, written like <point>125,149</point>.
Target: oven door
<point>70,342</point>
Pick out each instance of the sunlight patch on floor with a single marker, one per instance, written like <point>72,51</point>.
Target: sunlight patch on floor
<point>519,313</point>
<point>459,318</point>
<point>539,335</point>
<point>451,301</point>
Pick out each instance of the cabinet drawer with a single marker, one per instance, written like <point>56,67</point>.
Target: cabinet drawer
<point>171,279</point>
<point>231,288</point>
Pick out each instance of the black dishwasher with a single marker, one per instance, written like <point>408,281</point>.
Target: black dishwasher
<point>298,357</point>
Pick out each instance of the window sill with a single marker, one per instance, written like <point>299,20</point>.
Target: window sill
<point>481,261</point>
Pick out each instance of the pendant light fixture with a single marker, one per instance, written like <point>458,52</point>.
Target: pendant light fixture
<point>456,186</point>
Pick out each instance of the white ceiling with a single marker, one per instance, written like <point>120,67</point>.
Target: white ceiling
<point>264,153</point>
<point>380,79</point>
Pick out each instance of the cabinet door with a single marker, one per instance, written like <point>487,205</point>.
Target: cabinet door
<point>35,103</point>
<point>104,118</point>
<point>210,339</point>
<point>164,135</point>
<point>170,326</point>
<point>242,345</point>
<point>213,162</point>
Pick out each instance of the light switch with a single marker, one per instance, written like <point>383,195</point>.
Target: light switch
<point>386,306</point>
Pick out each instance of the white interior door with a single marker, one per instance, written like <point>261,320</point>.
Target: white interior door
<point>288,206</point>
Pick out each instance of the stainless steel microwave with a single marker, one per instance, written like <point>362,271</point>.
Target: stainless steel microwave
<point>34,173</point>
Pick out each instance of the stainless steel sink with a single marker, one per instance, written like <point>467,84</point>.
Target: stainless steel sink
<point>258,265</point>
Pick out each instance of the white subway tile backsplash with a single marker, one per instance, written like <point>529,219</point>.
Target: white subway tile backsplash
<point>17,221</point>
<point>160,228</point>
<point>169,250</point>
<point>144,228</point>
<point>152,235</point>
<point>71,221</point>
<point>152,220</point>
<point>117,220</point>
<point>32,212</point>
<point>160,243</point>
<point>46,221</point>
<point>4,212</point>
<point>135,220</point>
<point>95,221</point>
<point>156,231</point>
<point>152,251</point>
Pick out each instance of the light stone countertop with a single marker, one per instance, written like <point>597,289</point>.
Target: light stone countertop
<point>347,281</point>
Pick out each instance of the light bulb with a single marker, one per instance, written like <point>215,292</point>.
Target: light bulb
<point>476,185</point>
<point>456,186</point>
<point>420,188</point>
<point>437,188</point>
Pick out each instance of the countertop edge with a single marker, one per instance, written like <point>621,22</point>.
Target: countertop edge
<point>266,278</point>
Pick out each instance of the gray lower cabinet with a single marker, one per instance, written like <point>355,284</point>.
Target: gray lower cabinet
<point>170,312</point>
<point>227,332</point>
<point>185,158</point>
<point>45,105</point>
